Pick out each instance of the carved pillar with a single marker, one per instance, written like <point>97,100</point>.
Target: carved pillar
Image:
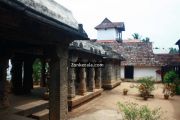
<point>58,107</point>
<point>4,101</point>
<point>82,77</point>
<point>16,72</point>
<point>98,81</point>
<point>43,71</point>
<point>90,79</point>
<point>28,79</point>
<point>71,78</point>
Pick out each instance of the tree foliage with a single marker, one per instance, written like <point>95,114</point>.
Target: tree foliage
<point>139,37</point>
<point>173,50</point>
<point>37,66</point>
<point>146,39</point>
<point>136,36</point>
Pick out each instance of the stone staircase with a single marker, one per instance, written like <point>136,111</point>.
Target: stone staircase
<point>37,110</point>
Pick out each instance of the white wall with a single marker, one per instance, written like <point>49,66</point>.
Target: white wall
<point>108,34</point>
<point>140,72</point>
<point>122,72</point>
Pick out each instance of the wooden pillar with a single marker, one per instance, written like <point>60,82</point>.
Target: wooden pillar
<point>90,79</point>
<point>43,71</point>
<point>71,78</point>
<point>58,106</point>
<point>4,101</point>
<point>28,79</point>
<point>16,72</point>
<point>98,82</point>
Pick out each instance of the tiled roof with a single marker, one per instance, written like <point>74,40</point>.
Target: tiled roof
<point>104,41</point>
<point>106,23</point>
<point>168,59</point>
<point>135,53</point>
<point>131,40</point>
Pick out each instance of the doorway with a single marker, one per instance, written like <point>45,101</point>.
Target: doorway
<point>129,72</point>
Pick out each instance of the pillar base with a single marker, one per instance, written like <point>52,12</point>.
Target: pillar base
<point>82,92</point>
<point>111,85</point>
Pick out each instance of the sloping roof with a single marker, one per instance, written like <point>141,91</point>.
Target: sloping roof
<point>106,23</point>
<point>168,59</point>
<point>95,48</point>
<point>51,9</point>
<point>135,53</point>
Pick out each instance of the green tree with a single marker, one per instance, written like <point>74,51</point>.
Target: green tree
<point>37,66</point>
<point>173,50</point>
<point>146,39</point>
<point>136,36</point>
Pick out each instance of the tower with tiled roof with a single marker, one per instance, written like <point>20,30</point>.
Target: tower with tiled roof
<point>110,31</point>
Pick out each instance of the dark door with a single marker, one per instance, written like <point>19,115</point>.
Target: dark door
<point>129,72</point>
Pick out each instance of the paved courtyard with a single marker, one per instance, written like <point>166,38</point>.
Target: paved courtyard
<point>105,107</point>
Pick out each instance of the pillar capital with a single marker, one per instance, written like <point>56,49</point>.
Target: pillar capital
<point>73,58</point>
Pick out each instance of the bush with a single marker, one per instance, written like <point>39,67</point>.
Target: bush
<point>170,77</point>
<point>146,84</point>
<point>131,111</point>
<point>178,89</point>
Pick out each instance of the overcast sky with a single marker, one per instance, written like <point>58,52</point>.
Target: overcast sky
<point>157,19</point>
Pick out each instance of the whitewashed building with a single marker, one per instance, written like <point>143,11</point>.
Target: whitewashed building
<point>110,31</point>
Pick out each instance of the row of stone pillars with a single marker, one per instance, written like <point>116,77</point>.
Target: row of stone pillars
<point>90,75</point>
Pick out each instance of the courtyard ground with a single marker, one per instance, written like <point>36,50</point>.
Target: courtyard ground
<point>105,107</point>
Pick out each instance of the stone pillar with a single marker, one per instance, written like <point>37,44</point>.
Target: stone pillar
<point>118,72</point>
<point>43,71</point>
<point>16,72</point>
<point>4,101</point>
<point>98,81</point>
<point>71,78</point>
<point>82,77</point>
<point>58,107</point>
<point>90,79</point>
<point>28,79</point>
<point>108,72</point>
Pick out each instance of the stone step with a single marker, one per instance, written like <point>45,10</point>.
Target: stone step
<point>33,107</point>
<point>15,117</point>
<point>41,115</point>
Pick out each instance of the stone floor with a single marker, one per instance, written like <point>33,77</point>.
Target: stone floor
<point>105,106</point>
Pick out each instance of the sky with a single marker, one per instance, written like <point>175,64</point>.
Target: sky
<point>157,19</point>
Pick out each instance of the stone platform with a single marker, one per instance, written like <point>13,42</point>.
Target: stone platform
<point>79,99</point>
<point>111,85</point>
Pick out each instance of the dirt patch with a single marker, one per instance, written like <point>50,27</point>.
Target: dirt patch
<point>109,98</point>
